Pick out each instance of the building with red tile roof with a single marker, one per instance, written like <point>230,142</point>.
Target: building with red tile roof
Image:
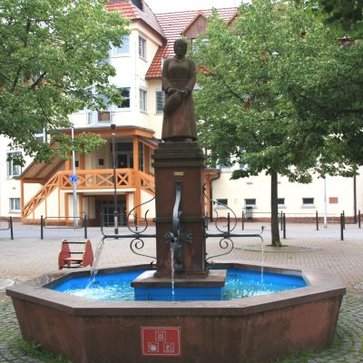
<point>169,26</point>
<point>136,123</point>
<point>175,25</point>
<point>46,190</point>
<point>137,10</point>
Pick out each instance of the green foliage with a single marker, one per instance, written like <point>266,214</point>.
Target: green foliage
<point>266,83</point>
<point>347,14</point>
<point>36,351</point>
<point>266,89</point>
<point>51,53</point>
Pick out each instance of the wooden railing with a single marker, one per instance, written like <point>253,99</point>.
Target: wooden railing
<point>98,179</point>
<point>41,195</point>
<point>147,182</point>
<point>92,179</point>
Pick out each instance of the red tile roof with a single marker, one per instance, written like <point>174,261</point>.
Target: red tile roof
<point>173,25</point>
<point>169,26</point>
<point>130,11</point>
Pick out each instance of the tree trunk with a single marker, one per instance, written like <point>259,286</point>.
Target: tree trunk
<point>275,235</point>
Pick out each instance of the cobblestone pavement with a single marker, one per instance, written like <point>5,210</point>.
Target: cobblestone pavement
<point>27,256</point>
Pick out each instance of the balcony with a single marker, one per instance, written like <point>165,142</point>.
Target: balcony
<point>96,179</point>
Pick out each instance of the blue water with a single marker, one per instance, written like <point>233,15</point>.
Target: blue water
<point>239,284</point>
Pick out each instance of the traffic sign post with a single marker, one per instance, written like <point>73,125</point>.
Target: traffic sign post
<point>73,178</point>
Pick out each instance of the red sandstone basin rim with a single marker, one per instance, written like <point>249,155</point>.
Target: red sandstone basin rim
<point>320,285</point>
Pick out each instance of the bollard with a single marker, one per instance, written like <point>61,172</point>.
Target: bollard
<point>343,216</point>
<point>317,220</point>
<point>243,221</point>
<point>11,228</point>
<point>284,225</point>
<point>85,225</point>
<point>359,219</point>
<point>41,227</point>
<point>342,226</point>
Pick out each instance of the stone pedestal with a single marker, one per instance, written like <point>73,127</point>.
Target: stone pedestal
<point>181,162</point>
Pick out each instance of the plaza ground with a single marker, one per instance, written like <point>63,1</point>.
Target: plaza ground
<point>27,256</point>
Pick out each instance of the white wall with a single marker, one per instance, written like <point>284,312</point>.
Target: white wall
<point>9,186</point>
<point>339,194</point>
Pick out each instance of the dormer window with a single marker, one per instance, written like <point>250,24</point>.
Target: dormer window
<point>139,4</point>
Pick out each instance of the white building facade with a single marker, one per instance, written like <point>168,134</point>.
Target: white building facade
<point>39,190</point>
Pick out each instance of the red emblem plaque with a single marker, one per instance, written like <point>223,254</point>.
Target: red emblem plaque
<point>160,341</point>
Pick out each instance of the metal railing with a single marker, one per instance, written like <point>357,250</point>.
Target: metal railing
<point>60,222</point>
<point>9,225</point>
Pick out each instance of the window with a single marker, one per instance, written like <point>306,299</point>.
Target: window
<point>14,169</point>
<point>142,47</point>
<point>90,118</point>
<point>250,203</point>
<point>125,93</point>
<point>222,202</point>
<point>143,100</point>
<point>123,49</point>
<point>40,135</point>
<point>160,100</point>
<point>308,202</point>
<point>14,205</point>
<point>104,116</point>
<point>281,202</point>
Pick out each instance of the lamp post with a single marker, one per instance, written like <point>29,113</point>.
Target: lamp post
<point>115,213</point>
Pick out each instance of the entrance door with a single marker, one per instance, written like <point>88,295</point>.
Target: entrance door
<point>107,213</point>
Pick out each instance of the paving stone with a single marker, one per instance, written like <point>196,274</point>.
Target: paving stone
<point>26,258</point>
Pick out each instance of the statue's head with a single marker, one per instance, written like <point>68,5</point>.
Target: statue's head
<point>180,47</point>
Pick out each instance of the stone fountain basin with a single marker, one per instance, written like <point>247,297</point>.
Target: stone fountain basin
<point>254,329</point>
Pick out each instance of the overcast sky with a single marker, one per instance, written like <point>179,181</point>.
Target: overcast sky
<point>162,6</point>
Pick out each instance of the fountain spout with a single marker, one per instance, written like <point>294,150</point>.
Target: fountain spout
<point>176,237</point>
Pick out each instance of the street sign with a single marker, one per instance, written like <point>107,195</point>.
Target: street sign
<point>160,341</point>
<point>73,178</point>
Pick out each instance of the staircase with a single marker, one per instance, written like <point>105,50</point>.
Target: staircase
<point>41,195</point>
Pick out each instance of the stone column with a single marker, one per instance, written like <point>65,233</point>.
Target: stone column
<point>180,162</point>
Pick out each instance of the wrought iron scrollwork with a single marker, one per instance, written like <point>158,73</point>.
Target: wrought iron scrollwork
<point>137,236</point>
<point>226,241</point>
<point>128,222</point>
<point>138,244</point>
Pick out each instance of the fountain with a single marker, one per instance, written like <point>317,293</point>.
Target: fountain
<point>252,329</point>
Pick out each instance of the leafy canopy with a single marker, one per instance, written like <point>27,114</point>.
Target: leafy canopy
<point>253,71</point>
<point>52,55</point>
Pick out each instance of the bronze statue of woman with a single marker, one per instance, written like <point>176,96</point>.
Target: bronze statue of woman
<point>178,79</point>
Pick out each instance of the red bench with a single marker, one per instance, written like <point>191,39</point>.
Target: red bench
<point>79,257</point>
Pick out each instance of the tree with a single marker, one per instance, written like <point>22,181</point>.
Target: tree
<point>52,55</point>
<point>347,14</point>
<point>247,114</point>
<point>330,105</point>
